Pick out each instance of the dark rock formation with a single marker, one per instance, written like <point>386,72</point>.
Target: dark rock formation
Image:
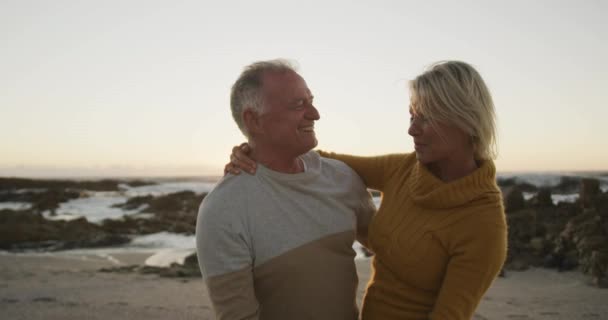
<point>189,269</point>
<point>12,184</point>
<point>565,236</point>
<point>512,182</point>
<point>514,199</point>
<point>22,230</point>
<point>175,212</point>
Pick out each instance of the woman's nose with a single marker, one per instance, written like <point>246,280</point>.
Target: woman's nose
<point>413,130</point>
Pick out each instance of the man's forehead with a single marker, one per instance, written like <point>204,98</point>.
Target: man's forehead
<point>274,82</point>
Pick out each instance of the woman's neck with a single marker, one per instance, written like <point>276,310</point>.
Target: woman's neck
<point>450,170</point>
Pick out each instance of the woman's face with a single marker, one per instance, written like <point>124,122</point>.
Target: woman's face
<point>440,144</point>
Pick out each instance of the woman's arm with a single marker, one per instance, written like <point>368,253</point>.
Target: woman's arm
<point>375,171</point>
<point>476,260</point>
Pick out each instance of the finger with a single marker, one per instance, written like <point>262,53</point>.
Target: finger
<point>242,164</point>
<point>242,160</point>
<point>243,156</point>
<point>230,168</point>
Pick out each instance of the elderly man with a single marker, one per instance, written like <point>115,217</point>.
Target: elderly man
<point>278,244</point>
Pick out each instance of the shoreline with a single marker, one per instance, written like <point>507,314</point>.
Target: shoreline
<point>68,285</point>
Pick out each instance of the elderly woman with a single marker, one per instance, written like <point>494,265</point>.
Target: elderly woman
<point>439,236</point>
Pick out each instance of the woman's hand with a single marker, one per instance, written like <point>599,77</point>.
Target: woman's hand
<point>239,160</point>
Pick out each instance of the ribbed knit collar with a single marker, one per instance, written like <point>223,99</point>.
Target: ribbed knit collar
<point>430,192</point>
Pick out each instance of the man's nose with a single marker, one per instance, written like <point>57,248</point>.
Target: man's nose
<point>313,113</point>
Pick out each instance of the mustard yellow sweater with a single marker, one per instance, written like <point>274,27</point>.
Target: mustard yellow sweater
<point>438,246</point>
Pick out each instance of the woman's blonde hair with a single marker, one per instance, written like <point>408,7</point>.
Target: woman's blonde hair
<point>453,92</point>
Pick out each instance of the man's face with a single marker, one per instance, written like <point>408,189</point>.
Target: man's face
<point>287,122</point>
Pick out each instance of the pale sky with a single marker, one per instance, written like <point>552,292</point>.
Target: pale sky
<point>104,88</point>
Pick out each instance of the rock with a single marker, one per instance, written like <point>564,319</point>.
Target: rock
<point>12,184</point>
<point>567,185</point>
<point>538,244</point>
<point>601,283</point>
<point>21,230</point>
<point>543,198</point>
<point>589,189</point>
<point>135,202</point>
<point>505,183</point>
<point>519,265</point>
<point>513,199</point>
<point>188,269</point>
<point>121,269</point>
<point>175,212</point>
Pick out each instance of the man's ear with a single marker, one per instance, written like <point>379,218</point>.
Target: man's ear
<point>251,121</point>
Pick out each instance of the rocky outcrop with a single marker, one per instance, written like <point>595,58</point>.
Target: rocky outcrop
<point>13,184</point>
<point>175,212</point>
<point>28,229</point>
<point>565,237</point>
<point>513,198</point>
<point>22,230</point>
<point>189,269</point>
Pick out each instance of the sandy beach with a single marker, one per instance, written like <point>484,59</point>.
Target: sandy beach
<point>70,286</point>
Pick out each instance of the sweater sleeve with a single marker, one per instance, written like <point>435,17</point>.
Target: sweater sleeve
<point>225,260</point>
<point>375,171</point>
<point>476,259</point>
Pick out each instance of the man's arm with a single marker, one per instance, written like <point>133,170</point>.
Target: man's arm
<point>365,213</point>
<point>225,260</point>
<point>233,296</point>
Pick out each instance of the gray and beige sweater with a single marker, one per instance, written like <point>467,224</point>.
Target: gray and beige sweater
<point>279,246</point>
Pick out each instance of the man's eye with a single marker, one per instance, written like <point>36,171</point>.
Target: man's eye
<point>298,104</point>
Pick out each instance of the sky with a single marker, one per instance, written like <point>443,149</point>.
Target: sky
<point>141,88</point>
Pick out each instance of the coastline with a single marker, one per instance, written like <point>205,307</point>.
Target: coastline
<point>68,285</point>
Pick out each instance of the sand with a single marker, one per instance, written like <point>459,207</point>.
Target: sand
<point>69,286</point>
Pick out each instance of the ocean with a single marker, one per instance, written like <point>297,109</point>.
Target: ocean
<point>97,206</point>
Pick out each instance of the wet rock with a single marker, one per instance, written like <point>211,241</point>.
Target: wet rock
<point>135,202</point>
<point>505,183</point>
<point>589,189</point>
<point>121,269</point>
<point>543,198</point>
<point>189,269</point>
<point>12,184</point>
<point>567,185</point>
<point>175,212</point>
<point>41,200</point>
<point>518,265</point>
<point>538,244</point>
<point>514,199</point>
<point>21,230</point>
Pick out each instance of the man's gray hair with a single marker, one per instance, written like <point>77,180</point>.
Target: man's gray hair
<point>246,92</point>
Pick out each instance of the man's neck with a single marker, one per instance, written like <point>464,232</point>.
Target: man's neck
<point>276,161</point>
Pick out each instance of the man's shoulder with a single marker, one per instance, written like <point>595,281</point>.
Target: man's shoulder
<point>231,185</point>
<point>342,175</point>
<point>230,195</point>
<point>337,166</point>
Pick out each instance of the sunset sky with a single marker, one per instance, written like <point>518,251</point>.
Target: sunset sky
<point>113,88</point>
